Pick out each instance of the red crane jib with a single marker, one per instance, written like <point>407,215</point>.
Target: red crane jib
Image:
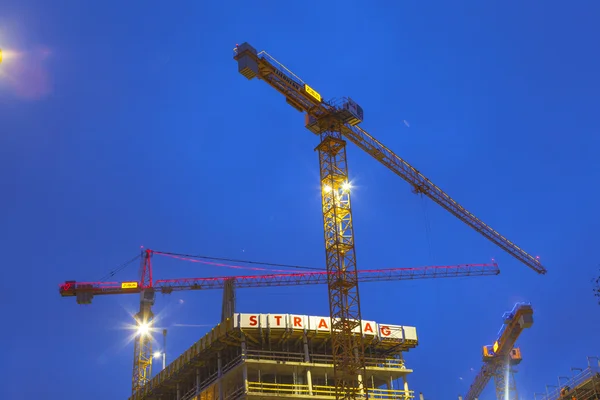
<point>71,288</point>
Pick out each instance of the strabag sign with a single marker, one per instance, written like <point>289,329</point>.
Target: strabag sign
<point>292,322</point>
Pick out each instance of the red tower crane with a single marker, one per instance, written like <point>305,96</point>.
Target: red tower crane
<point>146,287</point>
<point>336,121</point>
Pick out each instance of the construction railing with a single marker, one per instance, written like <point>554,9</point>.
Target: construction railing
<point>320,358</point>
<point>576,389</point>
<point>281,389</point>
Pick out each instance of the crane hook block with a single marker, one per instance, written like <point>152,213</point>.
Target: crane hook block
<point>247,59</point>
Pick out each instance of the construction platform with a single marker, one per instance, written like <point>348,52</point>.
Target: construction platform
<point>584,386</point>
<point>263,356</point>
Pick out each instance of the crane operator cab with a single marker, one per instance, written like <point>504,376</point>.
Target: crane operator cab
<point>346,110</point>
<point>489,354</point>
<point>353,111</point>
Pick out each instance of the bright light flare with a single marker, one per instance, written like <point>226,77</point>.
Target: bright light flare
<point>7,55</point>
<point>24,65</point>
<point>157,354</point>
<point>143,329</point>
<point>346,187</point>
<point>25,72</point>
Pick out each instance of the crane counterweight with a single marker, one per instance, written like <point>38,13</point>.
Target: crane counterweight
<point>247,62</point>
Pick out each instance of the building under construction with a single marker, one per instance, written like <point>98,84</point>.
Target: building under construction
<point>583,386</point>
<point>280,355</point>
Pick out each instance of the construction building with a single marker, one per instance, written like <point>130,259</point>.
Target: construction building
<point>262,356</point>
<point>583,386</point>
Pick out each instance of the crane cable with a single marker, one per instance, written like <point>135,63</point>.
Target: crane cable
<point>232,260</point>
<point>119,268</point>
<point>427,230</point>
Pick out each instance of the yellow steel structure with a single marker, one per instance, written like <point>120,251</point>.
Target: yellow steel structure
<point>281,389</point>
<point>500,357</point>
<point>335,121</point>
<point>344,304</point>
<point>142,348</point>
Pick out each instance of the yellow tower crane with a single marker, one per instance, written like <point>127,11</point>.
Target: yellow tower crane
<point>500,357</point>
<point>336,121</point>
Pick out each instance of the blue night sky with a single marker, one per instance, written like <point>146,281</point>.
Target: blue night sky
<point>126,123</point>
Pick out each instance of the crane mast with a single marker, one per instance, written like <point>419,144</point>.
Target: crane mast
<point>142,347</point>
<point>334,121</point>
<point>344,305</point>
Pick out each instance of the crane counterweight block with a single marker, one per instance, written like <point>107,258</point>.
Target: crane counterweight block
<point>247,59</point>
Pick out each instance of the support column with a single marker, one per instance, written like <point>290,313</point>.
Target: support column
<point>298,379</point>
<point>360,377</point>
<point>306,352</point>
<point>244,364</point>
<point>390,383</point>
<point>405,388</point>
<point>220,375</point>
<point>178,392</point>
<point>197,380</point>
<point>307,360</point>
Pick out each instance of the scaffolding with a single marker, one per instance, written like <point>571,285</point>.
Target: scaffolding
<point>234,362</point>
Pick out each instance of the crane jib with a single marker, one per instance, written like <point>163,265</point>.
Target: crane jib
<point>287,79</point>
<point>291,82</point>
